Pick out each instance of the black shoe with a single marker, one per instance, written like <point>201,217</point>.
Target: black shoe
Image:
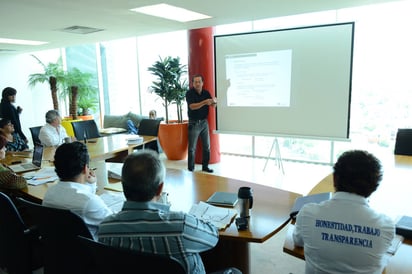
<point>190,169</point>
<point>206,169</point>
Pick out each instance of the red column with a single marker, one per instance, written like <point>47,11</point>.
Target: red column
<point>201,62</point>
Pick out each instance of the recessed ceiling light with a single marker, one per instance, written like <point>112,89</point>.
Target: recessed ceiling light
<point>171,12</point>
<point>21,42</point>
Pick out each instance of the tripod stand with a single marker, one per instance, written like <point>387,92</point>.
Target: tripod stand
<point>278,157</point>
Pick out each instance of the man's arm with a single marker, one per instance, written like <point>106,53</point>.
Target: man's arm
<point>201,235</point>
<point>195,106</point>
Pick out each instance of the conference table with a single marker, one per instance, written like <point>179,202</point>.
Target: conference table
<point>269,214</point>
<point>391,198</point>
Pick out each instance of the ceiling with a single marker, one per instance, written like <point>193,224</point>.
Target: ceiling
<point>42,20</point>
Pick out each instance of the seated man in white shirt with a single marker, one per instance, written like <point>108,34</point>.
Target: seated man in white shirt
<point>52,133</point>
<point>76,189</point>
<point>343,234</point>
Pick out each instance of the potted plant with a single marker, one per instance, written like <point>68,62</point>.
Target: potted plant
<point>54,74</point>
<point>171,88</point>
<point>80,89</point>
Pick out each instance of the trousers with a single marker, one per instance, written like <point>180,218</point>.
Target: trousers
<point>198,128</point>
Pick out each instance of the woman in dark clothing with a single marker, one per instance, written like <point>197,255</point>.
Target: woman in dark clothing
<point>10,112</point>
<point>14,141</point>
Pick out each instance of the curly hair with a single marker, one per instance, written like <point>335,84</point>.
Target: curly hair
<point>357,171</point>
<point>70,159</point>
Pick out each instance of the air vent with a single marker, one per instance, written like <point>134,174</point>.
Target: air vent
<point>80,30</point>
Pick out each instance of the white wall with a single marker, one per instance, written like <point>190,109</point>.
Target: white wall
<point>15,70</point>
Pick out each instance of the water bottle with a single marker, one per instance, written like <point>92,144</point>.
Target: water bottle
<point>245,199</point>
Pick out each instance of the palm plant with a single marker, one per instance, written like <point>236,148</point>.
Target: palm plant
<point>169,86</point>
<point>79,88</point>
<point>54,74</point>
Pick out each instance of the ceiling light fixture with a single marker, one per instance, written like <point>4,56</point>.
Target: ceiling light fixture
<point>171,12</point>
<point>21,42</point>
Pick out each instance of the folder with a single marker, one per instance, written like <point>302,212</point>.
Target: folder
<point>404,227</point>
<point>223,199</point>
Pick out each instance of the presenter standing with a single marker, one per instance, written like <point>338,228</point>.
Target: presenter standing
<point>198,102</point>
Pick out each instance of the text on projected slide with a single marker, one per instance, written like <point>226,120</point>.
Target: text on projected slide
<point>260,79</point>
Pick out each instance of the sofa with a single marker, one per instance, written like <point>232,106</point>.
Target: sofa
<point>120,121</point>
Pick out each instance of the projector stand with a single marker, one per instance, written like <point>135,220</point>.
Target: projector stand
<point>278,157</point>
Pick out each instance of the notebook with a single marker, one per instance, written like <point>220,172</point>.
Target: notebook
<point>223,199</point>
<point>313,198</point>
<point>404,227</point>
<point>34,165</point>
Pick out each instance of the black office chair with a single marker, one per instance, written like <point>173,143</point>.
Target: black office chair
<point>403,142</point>
<point>35,135</point>
<point>20,246</point>
<point>85,129</point>
<point>108,260</point>
<point>150,127</point>
<point>59,229</point>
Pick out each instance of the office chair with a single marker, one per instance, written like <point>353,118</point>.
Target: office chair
<point>109,259</point>
<point>58,229</point>
<point>85,129</point>
<point>150,127</point>
<point>403,142</point>
<point>35,135</point>
<point>20,247</point>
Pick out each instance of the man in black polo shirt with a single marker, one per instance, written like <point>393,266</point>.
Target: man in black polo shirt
<point>198,102</point>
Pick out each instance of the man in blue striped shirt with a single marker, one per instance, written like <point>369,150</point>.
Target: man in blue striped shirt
<point>147,225</point>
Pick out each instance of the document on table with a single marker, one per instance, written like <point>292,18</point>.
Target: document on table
<point>44,175</point>
<point>221,217</point>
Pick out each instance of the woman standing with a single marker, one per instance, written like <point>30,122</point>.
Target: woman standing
<point>14,141</point>
<point>9,111</point>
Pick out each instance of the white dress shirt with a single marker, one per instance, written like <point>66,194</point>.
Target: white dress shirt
<point>51,136</point>
<point>80,199</point>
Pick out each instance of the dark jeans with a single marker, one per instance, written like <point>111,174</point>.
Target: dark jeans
<point>196,129</point>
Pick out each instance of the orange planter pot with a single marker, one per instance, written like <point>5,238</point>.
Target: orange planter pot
<point>174,140</point>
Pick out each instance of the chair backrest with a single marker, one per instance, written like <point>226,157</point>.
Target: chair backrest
<point>16,240</point>
<point>403,143</point>
<point>109,260</point>
<point>59,229</point>
<point>35,135</point>
<point>86,128</point>
<point>149,127</point>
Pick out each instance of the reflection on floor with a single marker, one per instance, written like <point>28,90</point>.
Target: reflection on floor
<point>268,257</point>
<point>295,177</point>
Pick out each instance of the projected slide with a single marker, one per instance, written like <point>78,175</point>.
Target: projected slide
<point>260,79</point>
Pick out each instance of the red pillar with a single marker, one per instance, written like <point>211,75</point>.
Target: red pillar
<point>201,62</point>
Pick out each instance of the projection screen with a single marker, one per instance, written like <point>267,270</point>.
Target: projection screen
<point>290,82</point>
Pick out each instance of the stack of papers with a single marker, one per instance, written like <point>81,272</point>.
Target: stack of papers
<point>220,217</point>
<point>134,139</point>
<point>44,175</point>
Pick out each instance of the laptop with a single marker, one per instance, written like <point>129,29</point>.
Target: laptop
<point>34,165</point>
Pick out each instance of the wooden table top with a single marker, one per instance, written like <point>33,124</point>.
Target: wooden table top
<point>271,206</point>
